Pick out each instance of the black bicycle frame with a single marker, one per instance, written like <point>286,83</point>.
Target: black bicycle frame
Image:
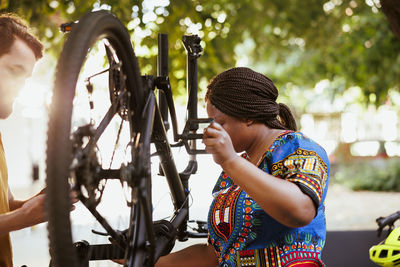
<point>177,182</point>
<point>154,121</point>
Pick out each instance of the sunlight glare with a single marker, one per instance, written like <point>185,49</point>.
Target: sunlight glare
<point>365,148</point>
<point>349,127</point>
<point>33,98</point>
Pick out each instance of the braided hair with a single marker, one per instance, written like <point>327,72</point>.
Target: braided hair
<point>245,94</point>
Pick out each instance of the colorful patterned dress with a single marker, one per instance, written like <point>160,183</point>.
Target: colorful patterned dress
<point>242,234</point>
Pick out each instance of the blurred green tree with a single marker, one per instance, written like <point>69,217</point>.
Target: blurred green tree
<point>296,43</point>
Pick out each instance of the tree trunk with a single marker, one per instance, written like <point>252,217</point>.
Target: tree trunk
<point>391,8</point>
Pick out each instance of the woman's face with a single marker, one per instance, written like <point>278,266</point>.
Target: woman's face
<point>237,129</point>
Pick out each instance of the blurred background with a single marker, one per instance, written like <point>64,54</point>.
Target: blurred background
<point>336,63</point>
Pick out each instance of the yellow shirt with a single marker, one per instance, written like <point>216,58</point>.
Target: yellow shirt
<point>5,244</point>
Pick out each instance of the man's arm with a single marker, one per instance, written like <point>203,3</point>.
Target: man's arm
<point>31,212</point>
<point>16,204</point>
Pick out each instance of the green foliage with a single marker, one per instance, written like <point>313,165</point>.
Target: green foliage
<point>296,43</point>
<point>371,175</point>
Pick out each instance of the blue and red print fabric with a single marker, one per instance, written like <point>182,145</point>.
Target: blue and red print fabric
<point>242,234</point>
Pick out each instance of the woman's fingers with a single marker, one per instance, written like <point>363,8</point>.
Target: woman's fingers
<point>214,130</point>
<point>210,132</point>
<point>218,142</point>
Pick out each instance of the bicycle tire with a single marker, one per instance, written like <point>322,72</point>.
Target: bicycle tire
<point>58,154</point>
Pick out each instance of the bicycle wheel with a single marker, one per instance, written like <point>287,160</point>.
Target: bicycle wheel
<point>86,111</point>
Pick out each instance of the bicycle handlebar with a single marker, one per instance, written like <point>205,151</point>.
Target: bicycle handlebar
<point>387,221</point>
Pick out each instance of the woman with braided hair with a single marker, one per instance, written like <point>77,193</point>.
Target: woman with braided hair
<point>268,207</point>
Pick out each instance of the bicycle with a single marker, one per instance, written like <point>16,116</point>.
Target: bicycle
<point>387,252</point>
<point>75,159</point>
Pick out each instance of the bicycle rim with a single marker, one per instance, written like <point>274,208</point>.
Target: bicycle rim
<point>126,103</point>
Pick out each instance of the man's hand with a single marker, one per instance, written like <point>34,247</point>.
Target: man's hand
<point>33,210</point>
<point>74,199</point>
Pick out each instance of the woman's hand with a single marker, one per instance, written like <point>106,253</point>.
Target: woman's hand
<point>218,143</point>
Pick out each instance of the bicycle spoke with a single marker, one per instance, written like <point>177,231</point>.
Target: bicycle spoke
<point>104,123</point>
<point>113,67</point>
<point>116,142</point>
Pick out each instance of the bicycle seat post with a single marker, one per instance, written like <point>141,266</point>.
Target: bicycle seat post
<point>162,71</point>
<point>194,49</point>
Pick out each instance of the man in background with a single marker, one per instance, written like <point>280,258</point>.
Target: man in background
<point>19,51</point>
